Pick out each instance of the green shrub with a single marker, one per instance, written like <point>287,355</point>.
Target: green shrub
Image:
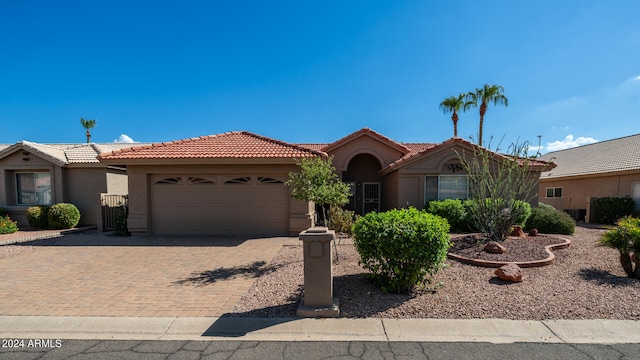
<point>548,220</point>
<point>341,220</point>
<point>7,226</point>
<point>63,216</point>
<point>452,210</point>
<point>401,247</point>
<point>38,216</point>
<point>525,212</point>
<point>609,209</point>
<point>3,212</point>
<point>625,238</point>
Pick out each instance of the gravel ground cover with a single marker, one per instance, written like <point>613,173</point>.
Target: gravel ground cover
<point>585,282</point>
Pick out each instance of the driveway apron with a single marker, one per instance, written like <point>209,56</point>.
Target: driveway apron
<point>101,275</point>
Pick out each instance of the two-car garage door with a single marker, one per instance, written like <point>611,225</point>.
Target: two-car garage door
<point>219,204</point>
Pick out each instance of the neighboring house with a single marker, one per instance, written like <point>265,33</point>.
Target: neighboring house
<point>46,174</point>
<point>233,182</point>
<point>605,169</point>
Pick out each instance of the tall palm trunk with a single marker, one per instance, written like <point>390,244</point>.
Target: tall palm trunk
<point>483,110</point>
<point>454,118</point>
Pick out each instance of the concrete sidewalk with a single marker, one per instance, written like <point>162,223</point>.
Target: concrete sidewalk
<point>292,329</point>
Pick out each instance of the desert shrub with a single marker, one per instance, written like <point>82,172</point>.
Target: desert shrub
<point>401,248</point>
<point>452,210</point>
<point>341,220</point>
<point>38,216</point>
<point>625,237</point>
<point>3,212</point>
<point>548,220</point>
<point>63,216</point>
<point>524,212</point>
<point>7,226</point>
<point>609,209</point>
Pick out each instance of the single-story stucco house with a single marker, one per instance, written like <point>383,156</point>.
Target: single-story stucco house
<point>233,182</point>
<point>46,174</point>
<point>604,169</point>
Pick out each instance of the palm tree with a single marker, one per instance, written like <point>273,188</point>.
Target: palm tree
<point>88,125</point>
<point>454,104</point>
<point>487,94</point>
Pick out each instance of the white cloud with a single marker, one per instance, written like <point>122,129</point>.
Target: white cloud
<point>124,139</point>
<point>569,142</point>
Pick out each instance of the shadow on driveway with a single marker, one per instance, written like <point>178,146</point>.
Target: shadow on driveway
<point>253,270</point>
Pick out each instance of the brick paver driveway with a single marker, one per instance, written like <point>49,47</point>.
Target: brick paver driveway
<point>100,275</point>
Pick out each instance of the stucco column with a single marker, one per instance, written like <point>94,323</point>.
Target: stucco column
<point>318,298</point>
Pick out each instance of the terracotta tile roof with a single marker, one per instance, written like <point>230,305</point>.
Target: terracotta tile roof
<point>622,154</point>
<point>237,144</point>
<point>63,154</point>
<point>417,147</point>
<point>367,132</point>
<point>419,150</point>
<point>316,147</point>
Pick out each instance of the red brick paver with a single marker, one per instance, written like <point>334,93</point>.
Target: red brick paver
<point>100,275</point>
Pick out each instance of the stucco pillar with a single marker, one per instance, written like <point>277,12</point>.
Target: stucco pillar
<point>318,300</point>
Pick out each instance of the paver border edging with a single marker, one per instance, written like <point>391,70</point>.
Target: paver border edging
<point>523,264</point>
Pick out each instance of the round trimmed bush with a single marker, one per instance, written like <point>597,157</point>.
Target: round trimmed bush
<point>452,210</point>
<point>401,247</point>
<point>548,220</point>
<point>63,216</point>
<point>38,216</point>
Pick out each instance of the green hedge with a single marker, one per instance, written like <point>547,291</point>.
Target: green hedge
<point>608,210</point>
<point>548,220</point>
<point>458,213</point>
<point>401,248</point>
<point>63,216</point>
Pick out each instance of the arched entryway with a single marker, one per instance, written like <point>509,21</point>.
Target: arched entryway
<point>362,175</point>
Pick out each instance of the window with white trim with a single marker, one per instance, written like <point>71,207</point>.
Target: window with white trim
<point>34,188</point>
<point>443,187</point>
<point>554,192</point>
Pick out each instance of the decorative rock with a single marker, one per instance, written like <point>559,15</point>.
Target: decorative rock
<point>493,247</point>
<point>533,232</point>
<point>517,231</point>
<point>509,272</point>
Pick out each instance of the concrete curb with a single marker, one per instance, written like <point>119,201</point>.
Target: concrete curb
<point>342,329</point>
<point>47,234</point>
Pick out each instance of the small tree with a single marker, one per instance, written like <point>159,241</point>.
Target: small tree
<point>317,182</point>
<point>499,185</point>
<point>88,125</point>
<point>625,238</point>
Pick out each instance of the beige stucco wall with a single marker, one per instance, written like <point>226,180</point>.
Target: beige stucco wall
<point>16,162</point>
<point>578,191</point>
<point>139,220</point>
<point>363,145</point>
<point>80,186</point>
<point>410,180</point>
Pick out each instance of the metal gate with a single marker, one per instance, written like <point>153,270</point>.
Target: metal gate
<point>113,206</point>
<point>370,196</point>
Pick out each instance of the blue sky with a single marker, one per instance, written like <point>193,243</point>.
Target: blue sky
<point>314,71</point>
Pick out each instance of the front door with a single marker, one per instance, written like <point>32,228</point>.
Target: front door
<point>370,197</point>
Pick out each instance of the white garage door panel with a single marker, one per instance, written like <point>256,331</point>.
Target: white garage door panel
<point>254,208</point>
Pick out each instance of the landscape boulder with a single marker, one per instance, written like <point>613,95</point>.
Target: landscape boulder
<point>509,272</point>
<point>533,232</point>
<point>493,247</point>
<point>517,231</point>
